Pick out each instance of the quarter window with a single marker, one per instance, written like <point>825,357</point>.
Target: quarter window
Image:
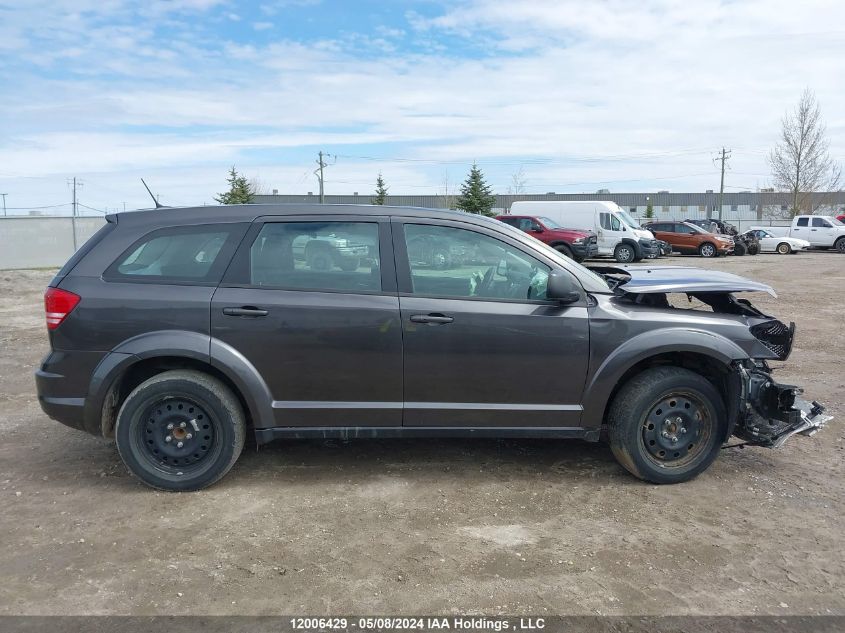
<point>182,254</point>
<point>451,262</point>
<point>335,256</point>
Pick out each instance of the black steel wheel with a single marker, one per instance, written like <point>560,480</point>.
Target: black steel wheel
<point>180,430</point>
<point>666,425</point>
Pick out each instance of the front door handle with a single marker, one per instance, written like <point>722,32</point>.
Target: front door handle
<point>245,311</point>
<point>434,318</point>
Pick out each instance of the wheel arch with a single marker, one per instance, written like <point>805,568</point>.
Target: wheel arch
<point>704,352</point>
<point>140,358</point>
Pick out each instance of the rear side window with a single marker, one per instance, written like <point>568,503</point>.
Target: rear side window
<point>193,254</point>
<point>320,256</point>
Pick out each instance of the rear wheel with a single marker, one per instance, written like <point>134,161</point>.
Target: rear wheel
<point>319,258</point>
<point>624,253</point>
<point>754,248</point>
<point>564,250</point>
<point>666,425</point>
<point>783,248</point>
<point>180,430</point>
<point>707,250</point>
<point>349,264</point>
<point>740,249</point>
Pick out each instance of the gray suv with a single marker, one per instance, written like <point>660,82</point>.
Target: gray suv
<point>179,331</point>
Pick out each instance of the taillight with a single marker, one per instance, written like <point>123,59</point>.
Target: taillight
<point>58,304</point>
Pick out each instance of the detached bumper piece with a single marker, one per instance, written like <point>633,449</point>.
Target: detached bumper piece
<point>774,412</point>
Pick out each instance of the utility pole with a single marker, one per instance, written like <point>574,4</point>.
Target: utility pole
<point>725,155</point>
<point>74,184</point>
<point>4,202</point>
<point>319,173</point>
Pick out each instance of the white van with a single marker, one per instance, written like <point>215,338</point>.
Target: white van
<point>619,235</point>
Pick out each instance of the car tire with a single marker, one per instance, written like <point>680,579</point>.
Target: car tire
<point>753,249</point>
<point>624,253</point>
<point>783,249</point>
<point>666,425</point>
<point>348,264</point>
<point>740,249</point>
<point>707,250</point>
<point>564,250</point>
<point>180,430</point>
<point>840,245</point>
<point>319,258</point>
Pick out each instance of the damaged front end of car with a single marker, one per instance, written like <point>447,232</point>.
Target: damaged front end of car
<point>771,412</point>
<point>766,413</point>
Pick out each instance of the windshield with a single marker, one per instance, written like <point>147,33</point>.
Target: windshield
<point>549,223</point>
<point>627,219</point>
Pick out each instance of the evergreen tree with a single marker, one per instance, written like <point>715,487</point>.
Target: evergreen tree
<point>381,191</point>
<point>649,211</point>
<point>240,190</point>
<point>476,195</point>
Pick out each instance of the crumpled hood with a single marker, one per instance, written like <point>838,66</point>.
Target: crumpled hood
<point>648,279</point>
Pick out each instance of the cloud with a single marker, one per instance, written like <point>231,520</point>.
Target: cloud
<point>630,95</point>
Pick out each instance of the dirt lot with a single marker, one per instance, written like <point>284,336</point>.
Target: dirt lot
<point>430,526</point>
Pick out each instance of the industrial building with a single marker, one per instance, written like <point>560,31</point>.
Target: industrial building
<point>744,205</point>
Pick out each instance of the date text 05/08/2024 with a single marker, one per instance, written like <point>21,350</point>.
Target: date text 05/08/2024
<point>386,623</point>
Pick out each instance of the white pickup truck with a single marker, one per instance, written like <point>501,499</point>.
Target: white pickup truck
<point>821,231</point>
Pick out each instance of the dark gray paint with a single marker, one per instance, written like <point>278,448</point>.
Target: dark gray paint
<point>355,363</point>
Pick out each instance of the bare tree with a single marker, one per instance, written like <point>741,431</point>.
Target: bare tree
<point>446,197</point>
<point>518,182</point>
<point>800,162</point>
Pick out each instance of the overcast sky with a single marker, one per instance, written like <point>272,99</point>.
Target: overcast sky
<point>582,95</point>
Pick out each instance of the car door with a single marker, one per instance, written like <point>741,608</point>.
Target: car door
<point>482,347</point>
<point>610,232</point>
<point>310,302</point>
<point>821,232</point>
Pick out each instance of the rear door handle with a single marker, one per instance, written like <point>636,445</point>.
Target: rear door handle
<point>246,311</point>
<point>435,318</point>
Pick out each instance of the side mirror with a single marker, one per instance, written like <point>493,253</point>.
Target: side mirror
<point>562,287</point>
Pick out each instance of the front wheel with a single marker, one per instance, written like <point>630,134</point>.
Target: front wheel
<point>564,250</point>
<point>707,250</point>
<point>624,253</point>
<point>180,430</point>
<point>666,425</point>
<point>740,249</point>
<point>840,245</point>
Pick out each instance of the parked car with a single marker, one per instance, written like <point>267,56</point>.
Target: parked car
<point>577,245</point>
<point>618,233</point>
<point>841,218</point>
<point>744,243</point>
<point>821,231</point>
<point>690,239</point>
<point>770,243</point>
<point>179,331</point>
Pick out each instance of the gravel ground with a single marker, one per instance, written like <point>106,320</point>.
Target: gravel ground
<point>434,526</point>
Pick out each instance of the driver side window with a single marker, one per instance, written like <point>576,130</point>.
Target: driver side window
<point>450,262</point>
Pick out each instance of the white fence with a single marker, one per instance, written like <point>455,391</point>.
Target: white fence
<point>42,242</point>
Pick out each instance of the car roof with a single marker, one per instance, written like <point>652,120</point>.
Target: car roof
<point>170,216</point>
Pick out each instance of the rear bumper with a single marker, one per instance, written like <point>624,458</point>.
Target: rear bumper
<point>62,382</point>
<point>70,411</point>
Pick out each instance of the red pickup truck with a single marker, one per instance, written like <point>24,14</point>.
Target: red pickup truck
<point>575,244</point>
